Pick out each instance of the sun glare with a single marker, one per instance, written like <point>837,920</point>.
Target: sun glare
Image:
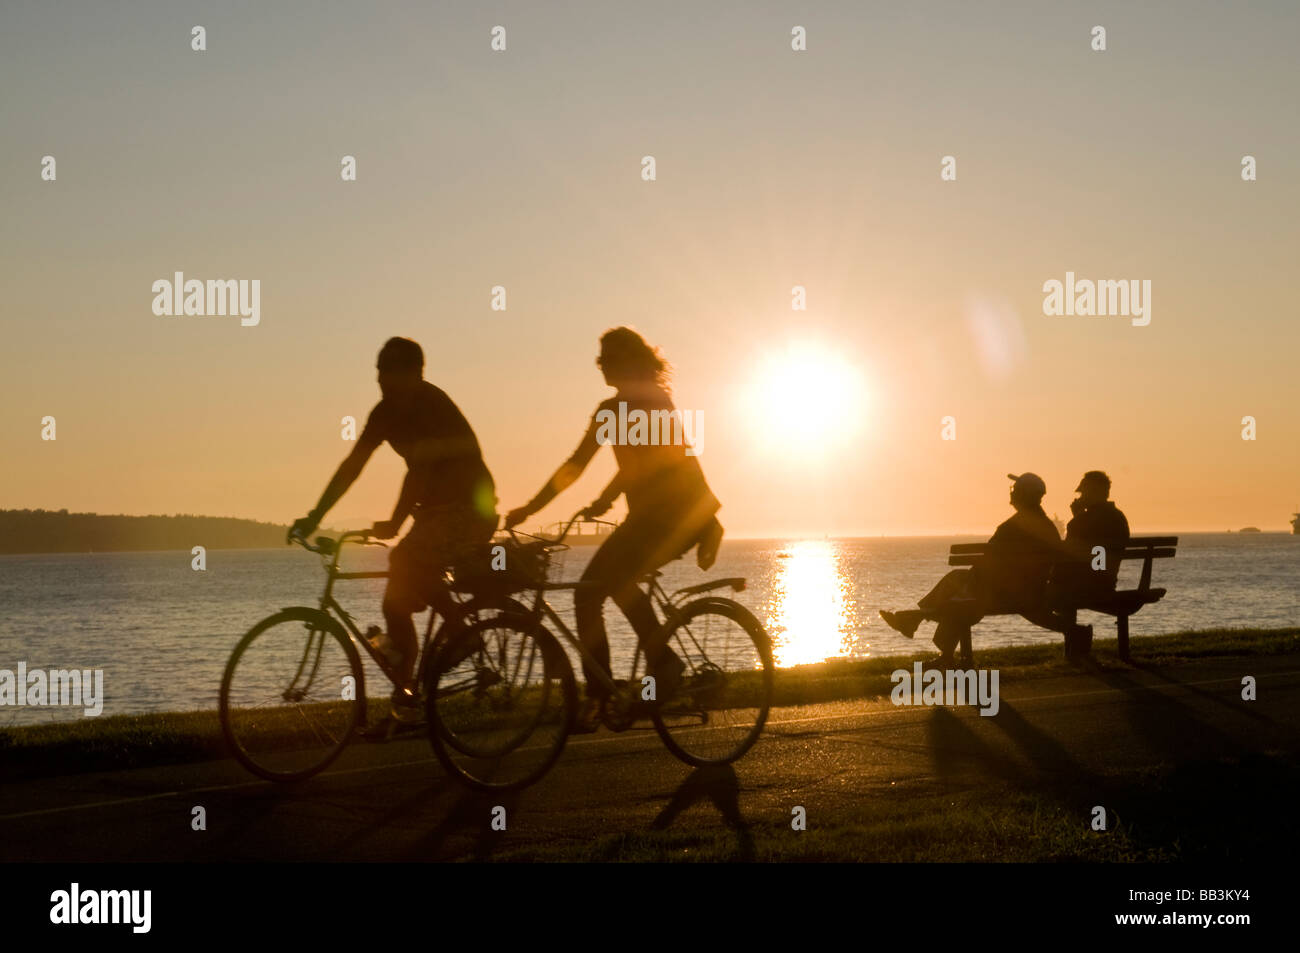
<point>806,399</point>
<point>809,615</point>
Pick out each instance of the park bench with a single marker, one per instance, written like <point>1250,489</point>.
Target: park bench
<point>1120,603</point>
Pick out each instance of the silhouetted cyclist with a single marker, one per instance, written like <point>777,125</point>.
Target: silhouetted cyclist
<point>670,509</point>
<point>447,488</point>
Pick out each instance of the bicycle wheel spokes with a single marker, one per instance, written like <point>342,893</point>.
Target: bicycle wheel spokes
<point>289,699</point>
<point>500,701</point>
<point>718,710</point>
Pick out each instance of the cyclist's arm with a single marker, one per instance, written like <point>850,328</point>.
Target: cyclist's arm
<point>343,478</point>
<point>406,498</point>
<point>569,471</point>
<point>608,495</point>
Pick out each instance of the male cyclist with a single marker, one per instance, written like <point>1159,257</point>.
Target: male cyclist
<point>447,488</point>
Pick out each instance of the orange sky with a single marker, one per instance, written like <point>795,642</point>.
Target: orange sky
<point>775,169</point>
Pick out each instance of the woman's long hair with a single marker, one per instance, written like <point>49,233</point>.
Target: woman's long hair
<point>625,355</point>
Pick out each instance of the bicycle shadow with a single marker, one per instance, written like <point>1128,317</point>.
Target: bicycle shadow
<point>453,836</point>
<point>719,785</point>
<point>1013,751</point>
<point>471,814</point>
<point>1233,704</point>
<point>1168,723</point>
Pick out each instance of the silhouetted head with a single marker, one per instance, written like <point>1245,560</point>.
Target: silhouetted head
<point>626,359</point>
<point>1027,490</point>
<point>401,367</point>
<point>1094,487</point>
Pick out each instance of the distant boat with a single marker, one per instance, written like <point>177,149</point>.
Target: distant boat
<point>1060,526</point>
<point>1249,529</point>
<point>1295,524</point>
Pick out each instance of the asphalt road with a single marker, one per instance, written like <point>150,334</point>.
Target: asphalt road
<point>838,761</point>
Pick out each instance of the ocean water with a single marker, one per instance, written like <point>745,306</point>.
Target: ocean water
<point>161,632</point>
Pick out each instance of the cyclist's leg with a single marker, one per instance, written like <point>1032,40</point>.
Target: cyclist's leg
<point>439,536</point>
<point>588,612</point>
<point>415,565</point>
<point>461,538</point>
<point>409,567</point>
<point>667,536</point>
<point>614,571</point>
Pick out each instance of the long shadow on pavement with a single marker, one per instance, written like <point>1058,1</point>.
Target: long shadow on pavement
<point>720,785</point>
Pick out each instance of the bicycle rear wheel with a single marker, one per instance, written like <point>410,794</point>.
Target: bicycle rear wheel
<point>287,707</point>
<point>500,699</point>
<point>721,705</point>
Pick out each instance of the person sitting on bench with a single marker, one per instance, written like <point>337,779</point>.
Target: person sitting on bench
<point>1012,578</point>
<point>1089,575</point>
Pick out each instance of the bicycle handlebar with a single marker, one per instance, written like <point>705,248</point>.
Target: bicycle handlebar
<point>325,546</point>
<point>557,540</point>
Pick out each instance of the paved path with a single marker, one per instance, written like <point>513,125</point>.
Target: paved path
<point>841,761</point>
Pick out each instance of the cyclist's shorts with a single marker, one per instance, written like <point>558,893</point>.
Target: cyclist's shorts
<point>440,537</point>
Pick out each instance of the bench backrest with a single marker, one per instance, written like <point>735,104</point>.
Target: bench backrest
<point>1145,548</point>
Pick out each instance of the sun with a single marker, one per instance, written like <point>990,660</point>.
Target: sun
<point>806,399</point>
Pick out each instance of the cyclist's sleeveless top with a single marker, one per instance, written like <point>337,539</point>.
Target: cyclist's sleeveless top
<point>650,439</point>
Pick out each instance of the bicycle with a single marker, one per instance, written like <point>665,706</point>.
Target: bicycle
<point>293,694</point>
<point>493,687</point>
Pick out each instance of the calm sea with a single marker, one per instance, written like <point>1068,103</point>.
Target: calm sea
<point>161,632</point>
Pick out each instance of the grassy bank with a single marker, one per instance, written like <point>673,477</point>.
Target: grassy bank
<point>126,741</point>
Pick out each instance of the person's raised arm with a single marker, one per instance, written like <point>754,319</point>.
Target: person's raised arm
<point>344,477</point>
<point>606,499</point>
<point>569,471</point>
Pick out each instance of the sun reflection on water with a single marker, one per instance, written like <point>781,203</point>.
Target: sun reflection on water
<point>811,613</point>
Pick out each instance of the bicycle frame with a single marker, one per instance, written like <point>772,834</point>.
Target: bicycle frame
<point>667,605</point>
<point>325,547</point>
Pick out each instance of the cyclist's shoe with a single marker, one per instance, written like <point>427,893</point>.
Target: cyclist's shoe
<point>381,643</point>
<point>590,715</point>
<point>406,708</point>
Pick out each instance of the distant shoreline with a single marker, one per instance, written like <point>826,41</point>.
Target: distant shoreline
<point>50,532</point>
<point>217,533</point>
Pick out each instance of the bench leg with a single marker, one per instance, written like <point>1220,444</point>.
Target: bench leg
<point>1121,629</point>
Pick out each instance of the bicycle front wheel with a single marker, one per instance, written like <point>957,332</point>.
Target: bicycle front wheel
<point>501,700</point>
<point>718,711</point>
<point>292,695</point>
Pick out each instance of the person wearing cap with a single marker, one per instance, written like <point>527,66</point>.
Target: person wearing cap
<point>1011,578</point>
<point>1097,522</point>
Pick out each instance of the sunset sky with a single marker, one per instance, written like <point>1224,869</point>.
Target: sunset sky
<point>522,168</point>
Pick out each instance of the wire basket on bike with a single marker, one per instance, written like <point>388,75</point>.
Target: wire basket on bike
<point>502,567</point>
